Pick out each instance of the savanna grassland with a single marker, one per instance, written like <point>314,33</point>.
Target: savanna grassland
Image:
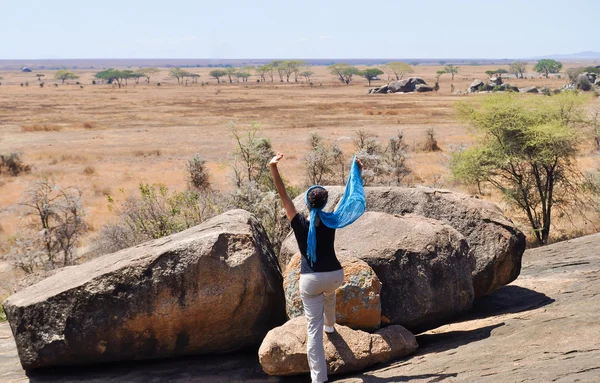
<point>103,139</point>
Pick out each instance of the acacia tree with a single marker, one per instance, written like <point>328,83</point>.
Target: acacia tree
<point>306,74</point>
<point>371,74</point>
<point>147,72</point>
<point>65,75</point>
<point>277,65</point>
<point>398,69</point>
<point>177,73</point>
<point>218,73</point>
<point>547,66</point>
<point>230,71</point>
<point>452,69</point>
<point>344,72</point>
<point>518,68</point>
<point>528,152</point>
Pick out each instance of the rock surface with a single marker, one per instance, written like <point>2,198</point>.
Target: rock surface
<point>210,289</point>
<point>423,266</point>
<point>283,351</point>
<point>358,302</point>
<point>493,239</point>
<point>411,84</point>
<point>530,89</point>
<point>543,327</point>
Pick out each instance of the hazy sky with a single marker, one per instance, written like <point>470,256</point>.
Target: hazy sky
<point>33,29</point>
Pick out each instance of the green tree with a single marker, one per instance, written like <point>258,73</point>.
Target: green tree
<point>528,152</point>
<point>371,73</point>
<point>344,72</point>
<point>65,75</point>
<point>397,69</point>
<point>292,67</point>
<point>547,66</point>
<point>452,69</point>
<point>518,68</point>
<point>177,73</point>
<point>306,74</point>
<point>231,71</point>
<point>218,73</point>
<point>277,65</point>
<point>147,72</point>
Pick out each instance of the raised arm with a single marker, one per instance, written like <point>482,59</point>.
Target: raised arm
<point>288,205</point>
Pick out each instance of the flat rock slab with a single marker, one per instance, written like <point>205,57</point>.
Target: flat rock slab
<point>543,327</point>
<point>283,351</point>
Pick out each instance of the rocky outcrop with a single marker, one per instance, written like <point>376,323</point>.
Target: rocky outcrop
<point>411,84</point>
<point>494,241</point>
<point>283,351</point>
<point>358,303</point>
<point>213,288</point>
<point>476,86</point>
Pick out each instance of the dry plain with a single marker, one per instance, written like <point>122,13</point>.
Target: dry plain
<point>108,139</point>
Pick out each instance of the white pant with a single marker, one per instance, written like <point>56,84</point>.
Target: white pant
<point>318,297</point>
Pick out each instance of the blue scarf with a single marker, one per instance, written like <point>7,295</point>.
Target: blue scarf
<point>350,208</point>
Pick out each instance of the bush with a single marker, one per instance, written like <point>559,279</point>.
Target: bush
<point>155,213</point>
<point>430,144</point>
<point>11,164</point>
<point>198,177</point>
<point>55,225</point>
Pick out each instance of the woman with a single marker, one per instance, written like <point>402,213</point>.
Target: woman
<point>321,273</point>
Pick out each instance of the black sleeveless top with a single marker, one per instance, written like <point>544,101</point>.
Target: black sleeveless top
<point>326,258</point>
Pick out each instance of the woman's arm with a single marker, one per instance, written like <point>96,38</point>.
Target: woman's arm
<point>288,205</point>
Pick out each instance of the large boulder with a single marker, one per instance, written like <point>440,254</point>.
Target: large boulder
<point>424,88</point>
<point>405,86</point>
<point>530,89</point>
<point>213,288</point>
<point>494,241</point>
<point>283,351</point>
<point>475,86</point>
<point>423,265</point>
<point>358,303</point>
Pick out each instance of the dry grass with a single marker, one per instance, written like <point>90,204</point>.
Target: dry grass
<point>146,133</point>
<point>147,153</point>
<point>41,128</point>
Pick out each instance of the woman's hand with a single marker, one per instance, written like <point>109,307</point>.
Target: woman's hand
<point>360,164</point>
<point>275,160</point>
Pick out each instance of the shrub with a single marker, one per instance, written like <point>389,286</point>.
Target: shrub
<point>430,143</point>
<point>41,128</point>
<point>55,225</point>
<point>11,164</point>
<point>198,177</point>
<point>155,213</point>
<point>89,170</point>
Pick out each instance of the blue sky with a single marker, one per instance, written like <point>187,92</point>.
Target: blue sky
<point>38,29</point>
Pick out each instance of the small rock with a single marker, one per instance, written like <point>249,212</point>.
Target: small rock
<point>531,89</point>
<point>283,351</point>
<point>358,303</point>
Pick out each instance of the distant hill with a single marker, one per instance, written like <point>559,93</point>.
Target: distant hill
<point>587,55</point>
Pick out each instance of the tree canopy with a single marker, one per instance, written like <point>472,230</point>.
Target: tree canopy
<point>547,66</point>
<point>344,72</point>
<point>65,75</point>
<point>371,74</point>
<point>218,73</point>
<point>527,152</point>
<point>452,69</point>
<point>518,68</point>
<point>398,69</point>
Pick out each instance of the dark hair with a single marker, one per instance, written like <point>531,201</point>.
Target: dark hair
<point>317,198</point>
